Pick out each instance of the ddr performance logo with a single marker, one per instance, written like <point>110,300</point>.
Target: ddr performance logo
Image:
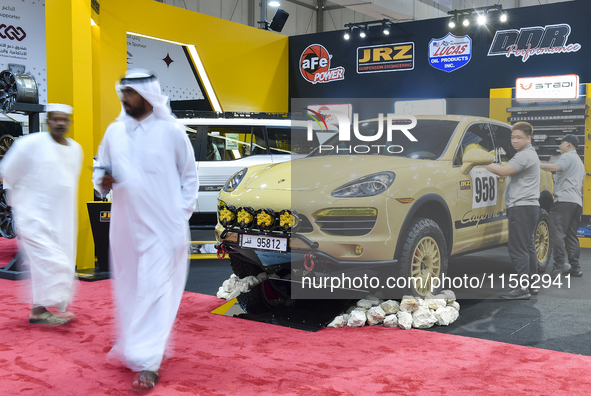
<point>451,52</point>
<point>315,65</point>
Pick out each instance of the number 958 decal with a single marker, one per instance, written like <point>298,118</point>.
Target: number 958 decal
<point>484,187</point>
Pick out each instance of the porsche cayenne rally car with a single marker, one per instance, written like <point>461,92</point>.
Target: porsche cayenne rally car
<point>401,206</point>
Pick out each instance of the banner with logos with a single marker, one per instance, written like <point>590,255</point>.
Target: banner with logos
<point>22,40</point>
<point>428,59</point>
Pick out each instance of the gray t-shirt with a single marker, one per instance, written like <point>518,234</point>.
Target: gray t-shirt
<point>523,188</point>
<point>568,186</point>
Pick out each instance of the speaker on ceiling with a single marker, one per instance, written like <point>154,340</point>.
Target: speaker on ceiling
<point>279,20</point>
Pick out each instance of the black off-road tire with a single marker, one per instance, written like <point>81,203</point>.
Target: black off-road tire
<point>243,268</point>
<point>260,299</point>
<point>423,236</point>
<point>542,241</point>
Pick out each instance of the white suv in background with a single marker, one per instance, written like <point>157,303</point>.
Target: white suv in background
<point>229,142</point>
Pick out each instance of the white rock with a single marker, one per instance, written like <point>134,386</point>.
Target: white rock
<point>375,316</point>
<point>346,317</point>
<point>423,318</point>
<point>348,312</point>
<point>242,287</point>
<point>433,302</point>
<point>250,281</point>
<point>339,321</point>
<point>374,301</point>
<point>404,320</point>
<point>357,319</point>
<point>390,306</point>
<point>455,305</point>
<point>367,304</point>
<point>450,296</point>
<point>422,303</point>
<point>226,286</point>
<point>262,276</point>
<point>446,316</point>
<point>233,295</point>
<point>409,304</point>
<point>391,321</point>
<point>222,293</point>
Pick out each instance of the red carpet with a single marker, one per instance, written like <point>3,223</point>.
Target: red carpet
<point>218,355</point>
<point>8,250</point>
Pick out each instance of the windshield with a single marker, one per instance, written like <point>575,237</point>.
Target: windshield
<point>432,138</point>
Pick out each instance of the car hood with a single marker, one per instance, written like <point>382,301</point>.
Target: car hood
<point>309,174</point>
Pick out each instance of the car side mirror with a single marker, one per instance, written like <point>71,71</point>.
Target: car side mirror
<point>474,158</point>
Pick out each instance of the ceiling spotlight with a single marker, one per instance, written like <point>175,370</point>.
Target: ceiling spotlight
<point>273,3</point>
<point>466,22</point>
<point>452,23</point>
<point>363,32</point>
<point>503,17</point>
<point>481,19</point>
<point>347,35</point>
<point>386,29</point>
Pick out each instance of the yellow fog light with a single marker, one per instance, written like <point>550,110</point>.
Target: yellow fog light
<point>288,220</point>
<point>227,215</point>
<point>245,217</point>
<point>358,250</point>
<point>265,219</point>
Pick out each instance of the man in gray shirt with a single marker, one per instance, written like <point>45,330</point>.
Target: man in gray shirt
<point>565,213</point>
<point>521,198</point>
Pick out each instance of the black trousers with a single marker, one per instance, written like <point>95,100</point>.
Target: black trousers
<point>522,247</point>
<point>564,222</point>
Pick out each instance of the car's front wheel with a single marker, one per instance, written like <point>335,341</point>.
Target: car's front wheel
<point>542,239</point>
<point>423,257</point>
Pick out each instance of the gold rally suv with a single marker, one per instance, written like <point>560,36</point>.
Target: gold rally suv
<point>392,206</point>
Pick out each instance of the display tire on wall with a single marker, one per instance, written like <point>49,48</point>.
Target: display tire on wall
<point>7,228</point>
<point>260,299</point>
<point>424,256</point>
<point>542,241</point>
<point>243,268</point>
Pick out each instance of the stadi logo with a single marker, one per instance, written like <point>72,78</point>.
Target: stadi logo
<point>315,65</point>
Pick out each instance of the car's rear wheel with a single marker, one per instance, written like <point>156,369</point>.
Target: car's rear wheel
<point>423,258</point>
<point>542,239</point>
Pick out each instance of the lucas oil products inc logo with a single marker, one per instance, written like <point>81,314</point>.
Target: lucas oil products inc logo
<point>315,65</point>
<point>451,52</point>
<point>385,58</point>
<point>530,41</point>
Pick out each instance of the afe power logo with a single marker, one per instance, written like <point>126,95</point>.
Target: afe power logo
<point>530,41</point>
<point>315,65</point>
<point>385,58</point>
<point>12,33</point>
<point>451,52</point>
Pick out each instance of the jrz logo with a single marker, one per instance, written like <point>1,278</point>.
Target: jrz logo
<point>105,217</point>
<point>12,33</point>
<point>385,58</point>
<point>465,184</point>
<point>530,41</point>
<point>315,65</point>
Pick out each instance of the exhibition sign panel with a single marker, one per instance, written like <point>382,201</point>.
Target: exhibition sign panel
<point>22,40</point>
<point>169,62</point>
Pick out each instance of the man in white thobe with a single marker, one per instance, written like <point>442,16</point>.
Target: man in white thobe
<point>147,159</point>
<point>42,171</point>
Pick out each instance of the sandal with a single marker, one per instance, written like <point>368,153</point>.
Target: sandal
<point>47,318</point>
<point>144,381</point>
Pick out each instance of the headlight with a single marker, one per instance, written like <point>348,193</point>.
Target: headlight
<point>234,181</point>
<point>366,186</point>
